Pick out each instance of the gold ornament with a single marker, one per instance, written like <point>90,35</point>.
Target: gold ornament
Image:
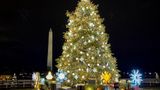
<point>106,77</point>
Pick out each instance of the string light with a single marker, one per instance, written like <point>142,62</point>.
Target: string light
<point>87,70</point>
<point>92,57</point>
<point>87,54</point>
<point>81,52</point>
<point>91,24</point>
<point>68,71</point>
<point>83,77</point>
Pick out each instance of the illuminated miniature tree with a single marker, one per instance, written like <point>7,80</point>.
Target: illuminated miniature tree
<point>86,52</point>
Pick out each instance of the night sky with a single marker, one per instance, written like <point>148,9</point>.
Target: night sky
<point>24,25</point>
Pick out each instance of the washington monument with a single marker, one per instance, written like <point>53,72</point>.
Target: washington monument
<point>49,57</point>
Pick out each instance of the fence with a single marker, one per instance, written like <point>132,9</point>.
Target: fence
<point>16,84</point>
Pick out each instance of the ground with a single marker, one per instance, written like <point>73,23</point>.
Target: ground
<point>140,89</point>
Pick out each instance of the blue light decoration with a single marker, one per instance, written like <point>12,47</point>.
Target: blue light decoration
<point>61,76</point>
<point>136,77</point>
<point>42,81</point>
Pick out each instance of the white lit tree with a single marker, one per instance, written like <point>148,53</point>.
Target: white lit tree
<point>86,51</point>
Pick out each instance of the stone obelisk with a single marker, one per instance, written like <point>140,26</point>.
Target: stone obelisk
<point>49,58</point>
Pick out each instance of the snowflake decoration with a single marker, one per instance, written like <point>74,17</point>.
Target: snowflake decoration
<point>76,77</point>
<point>136,77</point>
<point>61,76</point>
<point>94,70</point>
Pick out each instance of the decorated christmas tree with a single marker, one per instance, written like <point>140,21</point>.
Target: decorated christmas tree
<point>86,51</point>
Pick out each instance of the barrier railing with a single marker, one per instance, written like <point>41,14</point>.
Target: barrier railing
<point>16,84</point>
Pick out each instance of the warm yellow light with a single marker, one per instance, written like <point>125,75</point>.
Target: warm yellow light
<point>49,75</point>
<point>106,77</point>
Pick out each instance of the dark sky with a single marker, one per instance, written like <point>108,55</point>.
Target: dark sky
<point>24,24</point>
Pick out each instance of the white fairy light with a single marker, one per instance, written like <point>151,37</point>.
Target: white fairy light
<point>68,80</point>
<point>71,44</point>
<point>80,28</point>
<point>83,77</point>
<point>92,57</point>
<point>68,71</point>
<point>102,32</point>
<point>83,8</point>
<point>89,41</point>
<point>91,25</point>
<point>81,52</point>
<point>67,55</point>
<point>76,58</point>
<point>87,54</point>
<point>70,33</point>
<point>87,70</point>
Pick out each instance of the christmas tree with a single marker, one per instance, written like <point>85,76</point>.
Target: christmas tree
<point>86,52</point>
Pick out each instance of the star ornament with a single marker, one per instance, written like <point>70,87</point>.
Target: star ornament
<point>136,77</point>
<point>61,76</point>
<point>106,77</point>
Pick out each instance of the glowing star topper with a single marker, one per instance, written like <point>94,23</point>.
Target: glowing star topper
<point>106,77</point>
<point>136,77</point>
<point>61,76</point>
<point>49,75</point>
